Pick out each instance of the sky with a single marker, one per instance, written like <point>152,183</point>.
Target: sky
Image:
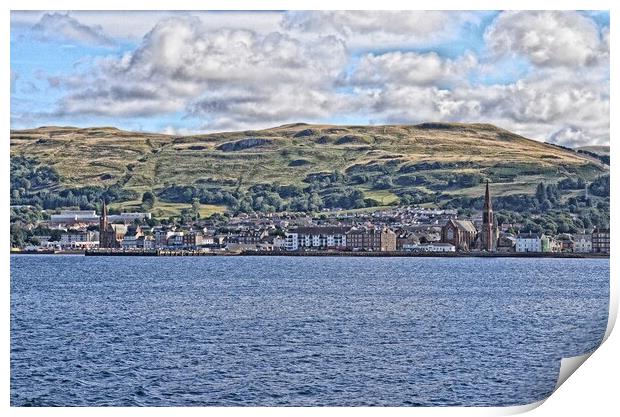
<point>542,74</point>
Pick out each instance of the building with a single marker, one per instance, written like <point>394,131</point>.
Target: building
<point>554,245</point>
<point>175,240</point>
<point>279,243</point>
<point>145,242</point>
<point>600,240</point>
<point>506,243</point>
<point>249,237</point>
<point>130,240</point>
<point>192,239</point>
<point>567,244</point>
<point>459,233</point>
<point>371,239</point>
<point>71,217</point>
<point>161,237</point>
<point>66,239</point>
<point>430,247</point>
<point>108,236</point>
<point>530,242</point>
<point>490,232</point>
<point>317,237</point>
<point>405,237</point>
<point>582,242</point>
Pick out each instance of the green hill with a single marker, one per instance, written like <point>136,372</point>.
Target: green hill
<point>344,166</point>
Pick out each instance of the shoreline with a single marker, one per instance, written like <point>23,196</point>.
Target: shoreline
<point>396,254</point>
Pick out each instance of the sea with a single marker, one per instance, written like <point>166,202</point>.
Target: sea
<point>298,331</point>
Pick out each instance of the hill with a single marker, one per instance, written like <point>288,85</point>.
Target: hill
<point>344,166</point>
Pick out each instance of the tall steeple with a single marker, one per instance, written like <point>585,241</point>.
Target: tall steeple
<point>487,214</point>
<point>490,233</point>
<point>104,237</point>
<point>103,220</point>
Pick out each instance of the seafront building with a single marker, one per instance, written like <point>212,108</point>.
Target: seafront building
<point>317,237</point>
<point>371,239</point>
<point>530,242</point>
<point>582,242</point>
<point>600,241</point>
<point>430,247</point>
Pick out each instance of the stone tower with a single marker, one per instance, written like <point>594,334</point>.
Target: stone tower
<point>489,233</point>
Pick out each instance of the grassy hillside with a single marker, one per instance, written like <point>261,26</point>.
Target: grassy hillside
<point>384,163</point>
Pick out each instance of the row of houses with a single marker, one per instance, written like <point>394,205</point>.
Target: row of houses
<point>310,238</point>
<point>595,242</point>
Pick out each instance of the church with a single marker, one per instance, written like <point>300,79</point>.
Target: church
<point>460,233</point>
<point>464,235</point>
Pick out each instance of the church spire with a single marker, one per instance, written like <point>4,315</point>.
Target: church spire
<point>103,220</point>
<point>487,199</point>
<point>489,229</point>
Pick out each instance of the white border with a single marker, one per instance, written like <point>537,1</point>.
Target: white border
<point>592,391</point>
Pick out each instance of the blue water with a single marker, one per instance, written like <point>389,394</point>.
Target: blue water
<point>200,331</point>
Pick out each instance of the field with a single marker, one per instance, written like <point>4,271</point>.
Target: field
<point>165,209</point>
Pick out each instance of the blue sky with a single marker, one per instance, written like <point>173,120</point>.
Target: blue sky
<point>208,71</point>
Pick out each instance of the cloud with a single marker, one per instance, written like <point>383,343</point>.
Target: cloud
<point>380,29</point>
<point>570,136</point>
<point>226,76</point>
<point>411,68</point>
<point>536,107</point>
<point>549,38</point>
<point>64,27</point>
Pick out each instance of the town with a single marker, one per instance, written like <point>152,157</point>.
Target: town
<point>413,230</point>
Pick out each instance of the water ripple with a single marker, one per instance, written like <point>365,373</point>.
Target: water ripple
<point>298,331</point>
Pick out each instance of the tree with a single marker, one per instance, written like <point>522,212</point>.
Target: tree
<point>55,236</point>
<point>541,192</point>
<point>148,200</point>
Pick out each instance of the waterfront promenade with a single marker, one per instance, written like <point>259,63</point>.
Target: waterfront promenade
<point>409,254</point>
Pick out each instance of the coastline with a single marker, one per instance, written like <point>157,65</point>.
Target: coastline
<point>395,254</point>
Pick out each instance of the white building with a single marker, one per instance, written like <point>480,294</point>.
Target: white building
<point>582,242</point>
<point>429,247</point>
<point>529,242</point>
<point>279,243</point>
<point>317,237</point>
<point>74,216</point>
<point>66,239</point>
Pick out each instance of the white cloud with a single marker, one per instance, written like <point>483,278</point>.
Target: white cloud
<point>380,29</point>
<point>536,107</point>
<point>133,25</point>
<point>65,27</point>
<point>549,38</point>
<point>411,68</point>
<point>226,76</point>
<point>570,136</point>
